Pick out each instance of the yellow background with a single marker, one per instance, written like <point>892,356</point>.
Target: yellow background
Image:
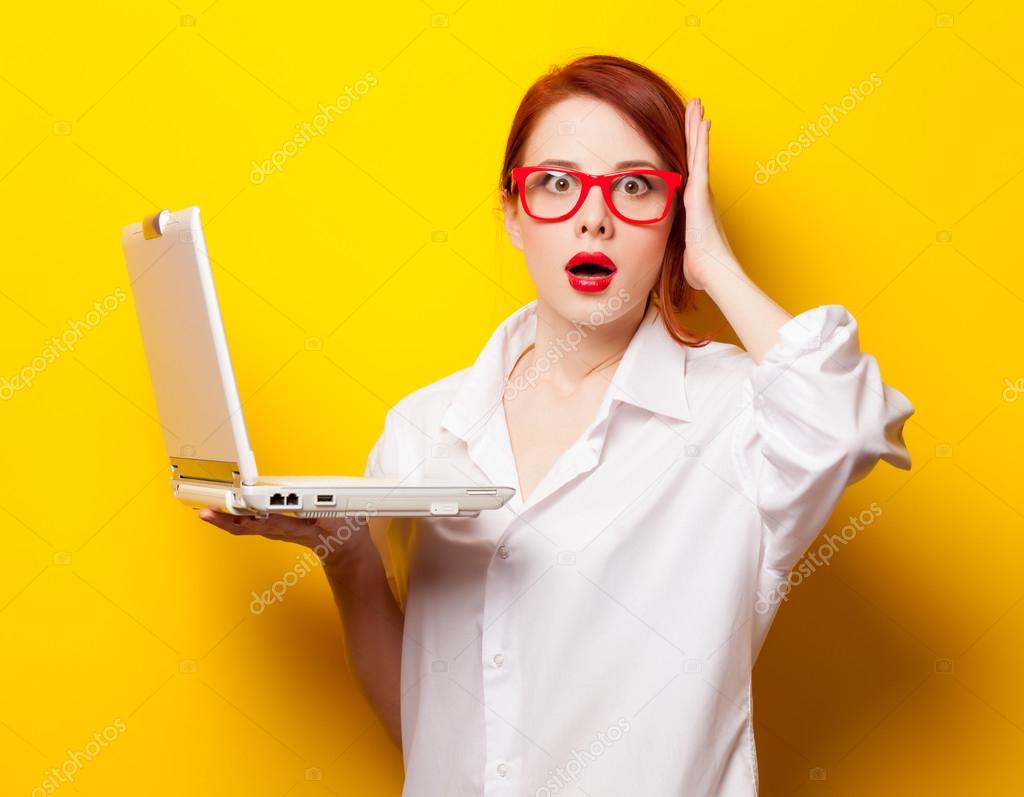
<point>373,263</point>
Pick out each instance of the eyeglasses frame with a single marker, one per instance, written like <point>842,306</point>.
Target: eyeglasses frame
<point>519,174</point>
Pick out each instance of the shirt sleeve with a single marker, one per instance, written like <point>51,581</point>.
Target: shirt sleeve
<point>816,418</point>
<point>381,455</point>
<point>390,535</point>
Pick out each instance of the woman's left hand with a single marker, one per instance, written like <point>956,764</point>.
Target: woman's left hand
<point>707,248</point>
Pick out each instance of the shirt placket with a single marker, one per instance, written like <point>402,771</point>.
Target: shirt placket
<point>499,669</point>
<point>501,626</point>
<point>501,679</point>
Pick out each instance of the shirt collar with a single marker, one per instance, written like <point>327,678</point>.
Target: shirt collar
<point>650,374</point>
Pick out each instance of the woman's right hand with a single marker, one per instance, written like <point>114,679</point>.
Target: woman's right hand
<point>336,541</point>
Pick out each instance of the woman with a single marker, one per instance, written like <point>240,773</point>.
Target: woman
<point>600,629</point>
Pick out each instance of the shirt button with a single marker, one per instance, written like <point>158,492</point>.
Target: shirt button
<point>503,551</point>
<point>502,769</point>
<point>499,659</point>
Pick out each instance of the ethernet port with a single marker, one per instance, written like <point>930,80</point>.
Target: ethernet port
<point>277,499</point>
<point>293,499</point>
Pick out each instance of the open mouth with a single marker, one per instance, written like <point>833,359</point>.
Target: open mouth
<point>590,270</point>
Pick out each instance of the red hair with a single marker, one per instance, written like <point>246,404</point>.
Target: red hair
<point>658,111</point>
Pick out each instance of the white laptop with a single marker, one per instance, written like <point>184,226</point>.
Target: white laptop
<point>199,406</point>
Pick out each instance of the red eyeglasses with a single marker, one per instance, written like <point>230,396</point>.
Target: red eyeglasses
<point>639,196</point>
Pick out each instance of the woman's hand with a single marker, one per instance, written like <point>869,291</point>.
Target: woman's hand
<point>371,618</point>
<point>708,262</point>
<point>707,248</point>
<point>336,541</point>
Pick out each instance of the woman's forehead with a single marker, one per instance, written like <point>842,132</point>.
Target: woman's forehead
<point>589,133</point>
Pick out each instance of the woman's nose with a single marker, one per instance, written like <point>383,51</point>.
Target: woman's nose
<point>593,216</point>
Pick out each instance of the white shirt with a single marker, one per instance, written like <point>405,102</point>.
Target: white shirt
<point>603,632</point>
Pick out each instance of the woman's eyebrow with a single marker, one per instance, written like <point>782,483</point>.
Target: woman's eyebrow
<point>621,165</point>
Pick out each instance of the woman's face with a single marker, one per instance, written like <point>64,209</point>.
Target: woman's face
<point>595,138</point>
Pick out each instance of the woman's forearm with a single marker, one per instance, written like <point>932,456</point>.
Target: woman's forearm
<point>754,316</point>
<point>373,625</point>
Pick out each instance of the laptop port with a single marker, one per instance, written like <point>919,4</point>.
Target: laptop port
<point>277,499</point>
<point>326,499</point>
<point>293,499</point>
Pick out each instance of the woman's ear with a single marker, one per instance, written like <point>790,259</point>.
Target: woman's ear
<point>510,208</point>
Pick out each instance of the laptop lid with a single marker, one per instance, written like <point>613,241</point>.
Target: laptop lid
<point>186,349</point>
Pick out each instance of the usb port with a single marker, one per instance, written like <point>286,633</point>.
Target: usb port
<point>326,499</point>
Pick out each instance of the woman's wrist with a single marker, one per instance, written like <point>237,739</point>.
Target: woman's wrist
<point>349,556</point>
<point>721,276</point>
<point>355,577</point>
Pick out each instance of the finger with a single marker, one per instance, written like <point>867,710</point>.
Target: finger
<point>293,526</point>
<point>242,524</point>
<point>695,122</point>
<point>687,112</point>
<point>700,161</point>
<point>235,524</point>
<point>691,110</point>
<point>275,526</point>
<point>698,170</point>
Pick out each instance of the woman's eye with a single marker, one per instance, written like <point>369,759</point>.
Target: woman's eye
<point>559,182</point>
<point>633,185</point>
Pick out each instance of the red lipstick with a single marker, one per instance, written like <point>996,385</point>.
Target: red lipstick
<point>590,272</point>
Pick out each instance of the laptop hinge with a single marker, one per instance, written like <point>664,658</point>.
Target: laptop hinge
<point>205,470</point>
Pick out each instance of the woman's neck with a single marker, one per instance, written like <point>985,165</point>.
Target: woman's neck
<point>565,354</point>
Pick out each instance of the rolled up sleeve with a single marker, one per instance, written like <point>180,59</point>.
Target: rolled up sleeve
<point>817,417</point>
<point>382,455</point>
